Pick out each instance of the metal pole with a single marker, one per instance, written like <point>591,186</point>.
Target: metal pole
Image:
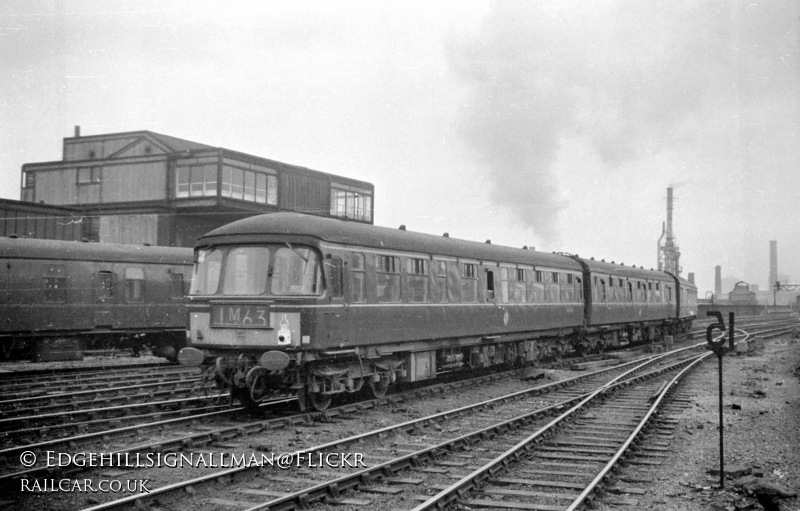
<point>721,431</point>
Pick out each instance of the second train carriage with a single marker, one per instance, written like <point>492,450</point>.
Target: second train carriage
<point>321,307</point>
<point>97,294</point>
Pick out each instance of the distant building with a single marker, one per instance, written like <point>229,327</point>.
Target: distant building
<point>741,294</point>
<point>144,187</point>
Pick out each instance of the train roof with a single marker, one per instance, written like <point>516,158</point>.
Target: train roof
<point>364,235</point>
<point>29,248</point>
<point>621,270</point>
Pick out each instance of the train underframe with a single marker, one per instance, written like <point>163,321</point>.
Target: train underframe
<point>57,346</point>
<point>316,378</point>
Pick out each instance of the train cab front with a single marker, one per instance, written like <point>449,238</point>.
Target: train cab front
<point>246,315</point>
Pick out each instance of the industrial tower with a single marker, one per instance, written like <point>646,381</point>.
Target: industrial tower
<point>669,255</point>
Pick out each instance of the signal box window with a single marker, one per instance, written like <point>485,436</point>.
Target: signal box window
<point>469,282</point>
<point>134,285</point>
<point>241,184</point>
<point>417,280</point>
<point>387,277</point>
<point>358,282</point>
<point>349,202</point>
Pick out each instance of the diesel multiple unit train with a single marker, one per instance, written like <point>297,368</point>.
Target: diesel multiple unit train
<point>91,295</point>
<point>320,307</point>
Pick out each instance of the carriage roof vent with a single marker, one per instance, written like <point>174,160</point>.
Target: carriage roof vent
<point>446,235</point>
<point>488,242</point>
<point>524,247</point>
<point>402,227</point>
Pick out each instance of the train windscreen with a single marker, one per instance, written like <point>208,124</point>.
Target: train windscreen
<point>278,270</point>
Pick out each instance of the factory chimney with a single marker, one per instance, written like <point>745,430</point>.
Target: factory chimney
<point>773,263</point>
<point>668,255</point>
<point>718,282</point>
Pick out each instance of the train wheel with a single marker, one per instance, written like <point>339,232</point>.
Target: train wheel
<point>378,389</point>
<point>308,401</point>
<point>257,383</point>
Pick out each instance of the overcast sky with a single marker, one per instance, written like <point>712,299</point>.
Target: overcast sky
<point>553,124</point>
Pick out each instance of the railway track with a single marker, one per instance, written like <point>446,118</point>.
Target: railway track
<point>226,437</point>
<point>545,398</point>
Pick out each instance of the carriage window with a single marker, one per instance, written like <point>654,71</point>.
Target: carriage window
<point>358,283</point>
<point>555,278</point>
<point>176,285</point>
<point>296,272</point>
<point>54,284</point>
<point>630,292</point>
<point>205,280</point>
<point>439,289</point>
<point>469,282</point>
<point>134,285</point>
<point>538,276</point>
<point>104,285</point>
<point>504,285</point>
<point>603,295</point>
<point>489,285</point>
<point>417,281</point>
<point>387,278</point>
<point>519,287</point>
<point>335,285</point>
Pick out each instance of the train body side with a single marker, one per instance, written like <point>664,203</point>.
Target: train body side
<point>61,289</point>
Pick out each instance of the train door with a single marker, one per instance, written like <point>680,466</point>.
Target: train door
<point>103,285</point>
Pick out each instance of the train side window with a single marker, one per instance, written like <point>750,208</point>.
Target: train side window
<point>520,287</point>
<point>439,289</point>
<point>630,292</point>
<point>469,282</point>
<point>649,291</point>
<point>387,276</point>
<point>104,285</point>
<point>134,285</point>
<point>504,285</point>
<point>334,269</point>
<point>54,284</point>
<point>603,295</point>
<point>489,285</point>
<point>358,282</point>
<point>176,290</point>
<point>417,280</point>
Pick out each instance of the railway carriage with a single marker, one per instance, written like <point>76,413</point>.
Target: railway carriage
<point>89,295</point>
<point>287,302</point>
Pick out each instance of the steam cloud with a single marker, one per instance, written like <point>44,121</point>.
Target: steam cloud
<point>628,78</point>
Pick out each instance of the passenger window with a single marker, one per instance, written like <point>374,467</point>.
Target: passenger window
<point>489,285</point>
<point>417,280</point>
<point>469,282</point>
<point>134,285</point>
<point>504,285</point>
<point>176,290</point>
<point>54,284</point>
<point>104,285</point>
<point>334,268</point>
<point>519,288</point>
<point>358,283</point>
<point>439,291</point>
<point>603,296</point>
<point>387,276</point>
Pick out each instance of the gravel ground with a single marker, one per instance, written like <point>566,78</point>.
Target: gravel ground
<point>762,435</point>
